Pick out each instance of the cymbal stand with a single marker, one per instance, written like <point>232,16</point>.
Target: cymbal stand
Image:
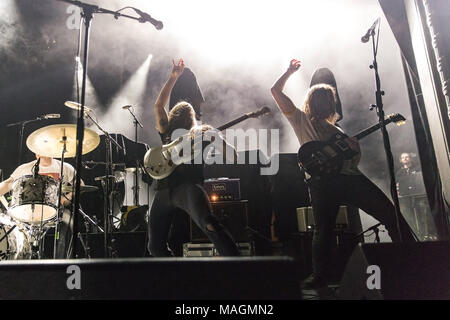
<point>108,187</point>
<point>59,210</point>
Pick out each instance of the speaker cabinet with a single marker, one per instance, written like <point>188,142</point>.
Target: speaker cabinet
<point>232,215</point>
<point>406,271</point>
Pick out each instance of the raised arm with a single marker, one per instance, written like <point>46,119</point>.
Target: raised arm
<point>283,101</point>
<point>161,117</point>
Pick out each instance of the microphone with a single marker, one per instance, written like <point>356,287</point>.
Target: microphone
<point>146,17</point>
<point>49,116</point>
<point>127,107</point>
<point>369,32</point>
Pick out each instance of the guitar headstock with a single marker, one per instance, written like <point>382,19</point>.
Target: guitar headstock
<point>260,112</point>
<point>397,118</point>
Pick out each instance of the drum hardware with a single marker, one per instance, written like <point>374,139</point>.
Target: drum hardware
<point>83,189</point>
<point>14,240</point>
<point>108,188</point>
<point>7,233</point>
<point>87,221</point>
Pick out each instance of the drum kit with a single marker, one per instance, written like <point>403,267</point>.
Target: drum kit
<point>35,204</point>
<point>36,201</point>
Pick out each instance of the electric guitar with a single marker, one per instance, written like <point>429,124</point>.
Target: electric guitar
<point>158,161</point>
<point>325,158</point>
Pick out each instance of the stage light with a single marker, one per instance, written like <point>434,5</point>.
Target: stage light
<point>10,25</point>
<point>132,93</point>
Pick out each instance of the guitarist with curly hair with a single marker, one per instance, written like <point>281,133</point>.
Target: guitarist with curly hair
<point>182,190</point>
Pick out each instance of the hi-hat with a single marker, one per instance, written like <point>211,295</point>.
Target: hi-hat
<point>48,141</point>
<point>76,106</point>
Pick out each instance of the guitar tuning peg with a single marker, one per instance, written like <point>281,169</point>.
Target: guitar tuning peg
<point>372,106</point>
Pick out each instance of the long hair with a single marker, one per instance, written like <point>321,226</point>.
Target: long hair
<point>183,116</point>
<point>320,103</point>
<point>187,89</point>
<point>324,75</point>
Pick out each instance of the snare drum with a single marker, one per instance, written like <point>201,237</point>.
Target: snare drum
<point>14,243</point>
<point>34,200</point>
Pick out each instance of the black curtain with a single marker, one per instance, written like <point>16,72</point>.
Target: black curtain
<point>395,13</point>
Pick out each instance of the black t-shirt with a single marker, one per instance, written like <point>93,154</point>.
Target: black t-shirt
<point>410,181</point>
<point>186,172</point>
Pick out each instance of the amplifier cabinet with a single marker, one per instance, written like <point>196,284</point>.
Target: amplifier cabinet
<point>207,249</point>
<point>223,189</point>
<point>305,219</point>
<point>233,215</point>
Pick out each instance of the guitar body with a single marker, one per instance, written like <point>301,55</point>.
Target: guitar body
<point>325,158</point>
<point>161,161</point>
<point>157,164</point>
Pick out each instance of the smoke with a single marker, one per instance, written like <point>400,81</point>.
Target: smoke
<point>237,49</point>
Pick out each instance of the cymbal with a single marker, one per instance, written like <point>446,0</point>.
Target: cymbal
<point>83,189</point>
<point>48,141</point>
<point>76,106</point>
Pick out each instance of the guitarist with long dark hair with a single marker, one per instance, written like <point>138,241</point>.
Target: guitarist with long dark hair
<point>183,188</point>
<point>315,121</point>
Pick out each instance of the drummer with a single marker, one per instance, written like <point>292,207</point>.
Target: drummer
<point>49,167</point>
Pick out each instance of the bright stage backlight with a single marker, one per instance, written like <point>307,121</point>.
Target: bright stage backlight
<point>230,32</point>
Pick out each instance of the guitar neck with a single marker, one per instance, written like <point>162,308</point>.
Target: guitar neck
<point>371,129</point>
<point>233,122</point>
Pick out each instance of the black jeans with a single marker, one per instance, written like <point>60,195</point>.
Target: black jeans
<point>327,194</point>
<point>192,199</point>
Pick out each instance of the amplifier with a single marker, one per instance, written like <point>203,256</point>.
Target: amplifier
<point>208,250</point>
<point>305,219</point>
<point>232,215</point>
<point>223,189</point>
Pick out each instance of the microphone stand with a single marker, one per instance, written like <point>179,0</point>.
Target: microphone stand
<point>136,122</point>
<point>387,145</point>
<point>87,14</point>
<point>374,229</point>
<point>21,130</point>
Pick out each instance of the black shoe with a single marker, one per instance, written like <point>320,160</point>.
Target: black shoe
<point>314,281</point>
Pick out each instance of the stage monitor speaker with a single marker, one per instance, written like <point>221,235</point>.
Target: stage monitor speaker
<point>392,271</point>
<point>224,278</point>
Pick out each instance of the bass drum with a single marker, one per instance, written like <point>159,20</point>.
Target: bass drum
<point>14,243</point>
<point>128,177</point>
